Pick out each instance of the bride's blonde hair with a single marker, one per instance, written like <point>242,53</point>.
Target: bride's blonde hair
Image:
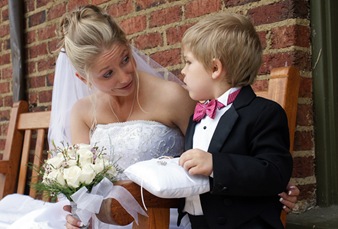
<point>87,32</point>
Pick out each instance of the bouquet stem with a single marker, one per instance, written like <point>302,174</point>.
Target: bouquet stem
<point>73,211</point>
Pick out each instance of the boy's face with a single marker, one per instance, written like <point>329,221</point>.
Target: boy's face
<point>197,79</point>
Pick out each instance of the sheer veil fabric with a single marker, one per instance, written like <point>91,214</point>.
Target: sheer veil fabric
<point>67,89</point>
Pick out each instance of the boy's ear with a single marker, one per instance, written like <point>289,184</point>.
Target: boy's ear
<point>217,68</point>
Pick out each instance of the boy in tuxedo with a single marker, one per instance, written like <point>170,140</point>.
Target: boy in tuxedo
<point>239,140</point>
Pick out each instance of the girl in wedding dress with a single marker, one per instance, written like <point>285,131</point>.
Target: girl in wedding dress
<point>121,105</point>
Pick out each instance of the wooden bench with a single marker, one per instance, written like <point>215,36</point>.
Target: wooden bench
<point>27,131</point>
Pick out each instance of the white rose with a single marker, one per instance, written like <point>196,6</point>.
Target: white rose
<point>57,176</point>
<point>56,161</point>
<point>71,162</point>
<point>72,176</point>
<point>99,165</point>
<point>85,156</point>
<point>112,172</point>
<point>88,174</point>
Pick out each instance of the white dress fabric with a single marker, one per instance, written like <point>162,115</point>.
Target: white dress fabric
<point>128,142</point>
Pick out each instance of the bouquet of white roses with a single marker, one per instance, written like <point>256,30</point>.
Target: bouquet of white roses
<point>72,167</point>
<point>85,175</point>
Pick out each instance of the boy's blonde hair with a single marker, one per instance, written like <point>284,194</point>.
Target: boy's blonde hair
<point>87,32</point>
<point>233,40</point>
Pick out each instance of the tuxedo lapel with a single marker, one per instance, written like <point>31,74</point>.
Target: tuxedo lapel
<point>229,118</point>
<point>223,129</point>
<point>190,134</point>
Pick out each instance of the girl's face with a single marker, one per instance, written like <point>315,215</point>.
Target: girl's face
<point>197,79</point>
<point>114,71</point>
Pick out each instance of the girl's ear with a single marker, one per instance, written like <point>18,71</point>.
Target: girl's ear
<point>217,68</point>
<point>83,79</point>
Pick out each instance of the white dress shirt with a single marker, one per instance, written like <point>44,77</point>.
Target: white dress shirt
<point>204,131</point>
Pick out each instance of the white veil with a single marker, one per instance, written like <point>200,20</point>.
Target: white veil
<point>67,89</point>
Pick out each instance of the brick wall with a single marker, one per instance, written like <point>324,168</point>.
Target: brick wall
<point>156,26</point>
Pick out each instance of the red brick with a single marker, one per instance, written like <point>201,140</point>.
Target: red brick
<point>147,41</point>
<point>4,87</point>
<point>146,4</point>
<point>5,59</point>
<point>46,32</point>
<point>7,44</point>
<point>262,37</point>
<point>8,101</point>
<point>168,57</point>
<point>303,167</point>
<point>177,73</point>
<point>30,37</point>
<point>73,4</point>
<point>50,79</point>
<point>33,97</point>
<point>6,73</point>
<point>30,6</point>
<point>260,85</point>
<point>299,59</point>
<point>56,11</point>
<point>121,8</point>
<point>45,96</point>
<point>231,3</point>
<point>5,15</point>
<point>46,64</point>
<point>165,16</point>
<point>4,29</point>
<point>37,19</point>
<point>3,3</point>
<point>38,50</point>
<point>4,115</point>
<point>97,2</point>
<point>31,67</point>
<point>305,115</point>
<point>202,7</point>
<point>175,34</point>
<point>53,46</point>
<point>41,3</point>
<point>303,36</point>
<point>305,89</point>
<point>36,82</point>
<point>134,25</point>
<point>259,16</point>
<point>2,146</point>
<point>287,36</point>
<point>306,191</point>
<point>303,140</point>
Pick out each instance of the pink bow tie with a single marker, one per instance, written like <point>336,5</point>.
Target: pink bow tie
<point>209,109</point>
<point>203,109</point>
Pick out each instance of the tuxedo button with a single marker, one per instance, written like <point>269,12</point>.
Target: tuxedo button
<point>221,220</point>
<point>220,188</point>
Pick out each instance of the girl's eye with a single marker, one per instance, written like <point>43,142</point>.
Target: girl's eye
<point>108,74</point>
<point>125,60</point>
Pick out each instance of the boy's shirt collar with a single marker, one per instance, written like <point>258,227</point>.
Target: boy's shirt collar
<point>224,97</point>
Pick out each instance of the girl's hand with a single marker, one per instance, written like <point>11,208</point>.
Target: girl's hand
<point>289,199</point>
<point>72,222</point>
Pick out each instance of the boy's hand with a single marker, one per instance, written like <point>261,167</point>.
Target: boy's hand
<point>196,162</point>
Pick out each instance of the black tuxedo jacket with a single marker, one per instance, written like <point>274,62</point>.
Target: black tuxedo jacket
<point>251,164</point>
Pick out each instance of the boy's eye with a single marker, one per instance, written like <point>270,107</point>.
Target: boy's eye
<point>108,74</point>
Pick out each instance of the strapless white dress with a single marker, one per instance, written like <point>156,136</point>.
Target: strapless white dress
<point>128,142</point>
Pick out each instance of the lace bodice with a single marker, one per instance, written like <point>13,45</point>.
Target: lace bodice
<point>138,140</point>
